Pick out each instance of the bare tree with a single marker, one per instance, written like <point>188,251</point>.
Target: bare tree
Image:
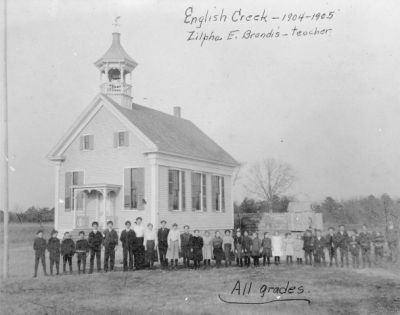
<point>268,178</point>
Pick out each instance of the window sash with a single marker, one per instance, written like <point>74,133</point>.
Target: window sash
<point>218,193</point>
<point>134,189</point>
<point>176,190</point>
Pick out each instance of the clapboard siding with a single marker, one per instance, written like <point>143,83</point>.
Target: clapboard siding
<point>105,164</point>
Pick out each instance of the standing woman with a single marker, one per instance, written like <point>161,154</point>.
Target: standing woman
<point>150,244</point>
<point>247,242</point>
<point>217,249</point>
<point>197,246</point>
<point>256,249</point>
<point>238,242</point>
<point>277,247</point>
<point>207,249</point>
<point>174,245</point>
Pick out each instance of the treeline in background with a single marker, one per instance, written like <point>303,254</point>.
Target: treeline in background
<point>32,214</point>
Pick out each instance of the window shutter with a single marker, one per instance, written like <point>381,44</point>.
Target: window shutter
<point>183,193</point>
<point>116,139</point>
<point>204,196</point>
<point>139,180</point>
<point>91,142</point>
<point>127,188</point>
<point>126,138</point>
<point>81,142</point>
<point>193,180</point>
<point>223,193</point>
<point>67,200</point>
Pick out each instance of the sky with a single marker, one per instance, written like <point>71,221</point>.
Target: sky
<point>327,105</point>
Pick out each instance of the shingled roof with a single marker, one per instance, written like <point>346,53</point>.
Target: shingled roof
<point>174,135</point>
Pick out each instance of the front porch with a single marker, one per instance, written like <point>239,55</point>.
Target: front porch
<point>94,202</point>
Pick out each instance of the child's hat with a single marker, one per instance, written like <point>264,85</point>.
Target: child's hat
<point>39,231</point>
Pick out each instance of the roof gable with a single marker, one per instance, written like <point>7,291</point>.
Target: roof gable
<point>161,132</point>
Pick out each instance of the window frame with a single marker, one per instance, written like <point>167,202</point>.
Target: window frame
<point>203,191</point>
<point>182,190</point>
<point>130,190</point>
<point>71,201</point>
<point>221,193</point>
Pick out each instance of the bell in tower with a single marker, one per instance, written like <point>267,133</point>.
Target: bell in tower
<point>115,67</point>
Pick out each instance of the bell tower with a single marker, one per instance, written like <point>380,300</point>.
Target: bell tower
<point>115,66</point>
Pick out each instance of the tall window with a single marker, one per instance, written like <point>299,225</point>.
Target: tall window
<point>121,139</point>
<point>199,190</point>
<point>176,190</point>
<point>73,179</point>
<point>134,189</point>
<point>87,142</point>
<point>218,193</point>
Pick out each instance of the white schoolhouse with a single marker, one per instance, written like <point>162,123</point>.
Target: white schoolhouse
<point>120,160</point>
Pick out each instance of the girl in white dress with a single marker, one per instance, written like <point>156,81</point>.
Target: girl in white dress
<point>207,249</point>
<point>277,247</point>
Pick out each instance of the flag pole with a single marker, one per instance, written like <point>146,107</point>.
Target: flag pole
<point>4,113</point>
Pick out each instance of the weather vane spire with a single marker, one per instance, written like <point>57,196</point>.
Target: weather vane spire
<point>116,24</point>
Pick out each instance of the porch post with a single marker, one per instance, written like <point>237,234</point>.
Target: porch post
<point>154,192</point>
<point>75,204</point>
<point>97,206</point>
<point>57,194</point>
<point>105,204</point>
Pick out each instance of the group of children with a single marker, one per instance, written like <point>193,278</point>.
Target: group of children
<point>142,246</point>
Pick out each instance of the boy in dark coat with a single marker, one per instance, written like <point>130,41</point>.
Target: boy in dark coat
<point>319,246</point>
<point>82,248</point>
<point>379,242</point>
<point>238,244</point>
<point>95,240</point>
<point>392,237</point>
<point>364,238</point>
<point>247,242</point>
<point>218,251</point>
<point>342,239</point>
<point>197,249</point>
<point>110,242</point>
<point>354,247</point>
<point>186,241</point>
<point>163,243</point>
<point>331,243</point>
<point>266,245</point>
<point>54,248</point>
<point>67,251</point>
<point>128,241</point>
<point>39,246</point>
<point>308,247</point>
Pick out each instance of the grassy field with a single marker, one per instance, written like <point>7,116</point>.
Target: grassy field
<point>330,290</point>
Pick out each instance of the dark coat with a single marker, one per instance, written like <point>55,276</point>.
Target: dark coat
<point>39,245</point>
<point>319,244</point>
<point>95,240</point>
<point>354,246</point>
<point>68,247</point>
<point>54,248</point>
<point>365,240</point>
<point>308,244</point>
<point>247,242</point>
<point>197,245</point>
<point>128,238</point>
<point>110,239</point>
<point>331,241</point>
<point>186,240</point>
<point>342,240</point>
<point>217,248</point>
<point>163,238</point>
<point>266,245</point>
<point>82,246</point>
<point>379,241</point>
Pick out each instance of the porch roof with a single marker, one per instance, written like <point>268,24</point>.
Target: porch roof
<point>98,186</point>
